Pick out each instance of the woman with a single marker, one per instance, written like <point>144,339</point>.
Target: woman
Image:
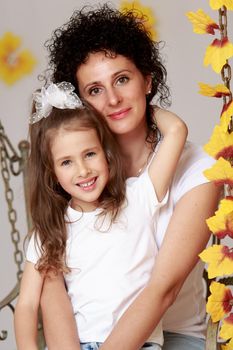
<point>116,67</point>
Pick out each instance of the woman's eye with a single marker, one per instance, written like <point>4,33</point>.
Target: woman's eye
<point>94,91</point>
<point>122,80</point>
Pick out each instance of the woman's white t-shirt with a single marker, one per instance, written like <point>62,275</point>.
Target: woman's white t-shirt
<point>187,314</point>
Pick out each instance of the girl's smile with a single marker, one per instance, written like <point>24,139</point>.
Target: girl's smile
<point>80,166</point>
<point>88,185</point>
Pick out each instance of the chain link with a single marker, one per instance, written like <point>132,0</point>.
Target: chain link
<point>226,78</point>
<point>226,69</point>
<point>223,21</point>
<point>5,148</point>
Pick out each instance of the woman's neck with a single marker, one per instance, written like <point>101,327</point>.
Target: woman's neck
<point>135,152</point>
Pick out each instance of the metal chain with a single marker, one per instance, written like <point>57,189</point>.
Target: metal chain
<point>226,78</point>
<point>12,216</point>
<point>226,69</point>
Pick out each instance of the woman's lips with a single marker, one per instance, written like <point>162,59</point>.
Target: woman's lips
<point>119,114</point>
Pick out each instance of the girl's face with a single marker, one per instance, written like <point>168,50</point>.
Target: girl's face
<point>80,166</point>
<point>117,89</point>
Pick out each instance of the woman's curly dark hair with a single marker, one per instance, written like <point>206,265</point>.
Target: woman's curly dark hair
<point>107,29</point>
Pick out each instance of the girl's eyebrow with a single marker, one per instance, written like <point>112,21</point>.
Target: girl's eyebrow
<point>90,149</point>
<point>86,150</point>
<point>62,158</point>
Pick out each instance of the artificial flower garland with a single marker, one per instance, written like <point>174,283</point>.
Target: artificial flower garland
<point>220,146</point>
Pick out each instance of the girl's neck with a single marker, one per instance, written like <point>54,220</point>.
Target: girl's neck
<point>135,152</point>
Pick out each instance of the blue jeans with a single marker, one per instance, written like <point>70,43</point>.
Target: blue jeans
<point>96,345</point>
<point>177,341</point>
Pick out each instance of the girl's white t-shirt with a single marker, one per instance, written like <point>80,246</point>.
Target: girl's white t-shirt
<point>109,268</point>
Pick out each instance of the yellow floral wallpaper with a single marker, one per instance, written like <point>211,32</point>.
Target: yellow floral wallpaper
<point>150,21</point>
<point>15,62</point>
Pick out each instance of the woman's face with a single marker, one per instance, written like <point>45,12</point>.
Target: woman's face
<point>117,89</point>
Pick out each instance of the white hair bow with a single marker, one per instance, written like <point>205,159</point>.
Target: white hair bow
<point>59,95</point>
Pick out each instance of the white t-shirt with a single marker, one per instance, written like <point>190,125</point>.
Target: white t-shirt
<point>110,268</point>
<point>187,314</point>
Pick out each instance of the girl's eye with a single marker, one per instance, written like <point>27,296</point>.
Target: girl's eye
<point>94,91</point>
<point>90,154</point>
<point>66,162</point>
<point>122,80</point>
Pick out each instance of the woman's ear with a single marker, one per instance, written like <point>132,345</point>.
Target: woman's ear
<point>148,84</point>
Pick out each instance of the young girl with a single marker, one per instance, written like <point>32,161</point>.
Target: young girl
<point>88,222</point>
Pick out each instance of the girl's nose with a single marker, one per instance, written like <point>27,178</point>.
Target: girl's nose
<point>83,170</point>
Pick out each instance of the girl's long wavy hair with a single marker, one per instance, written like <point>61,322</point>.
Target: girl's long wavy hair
<point>48,200</point>
<point>104,28</point>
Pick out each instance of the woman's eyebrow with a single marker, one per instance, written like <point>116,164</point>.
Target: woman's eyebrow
<point>113,76</point>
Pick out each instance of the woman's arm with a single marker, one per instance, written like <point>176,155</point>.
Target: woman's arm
<point>186,236</point>
<point>26,310</point>
<point>58,319</point>
<point>163,165</point>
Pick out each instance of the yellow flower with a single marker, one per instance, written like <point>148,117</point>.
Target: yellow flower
<point>221,224</point>
<point>149,20</point>
<point>220,260</point>
<point>226,331</point>
<point>218,90</point>
<point>216,4</point>
<point>202,23</point>
<point>221,172</point>
<point>220,143</point>
<point>226,115</point>
<point>13,64</point>
<point>217,53</point>
<point>219,302</point>
<point>228,346</point>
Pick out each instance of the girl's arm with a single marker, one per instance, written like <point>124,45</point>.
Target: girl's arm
<point>58,319</point>
<point>163,165</point>
<point>186,236</point>
<point>26,310</point>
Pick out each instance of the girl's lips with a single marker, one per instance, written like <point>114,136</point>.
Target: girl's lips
<point>87,185</point>
<point>120,114</point>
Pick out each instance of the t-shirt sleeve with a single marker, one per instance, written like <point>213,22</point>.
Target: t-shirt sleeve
<point>33,253</point>
<point>144,192</point>
<point>190,171</point>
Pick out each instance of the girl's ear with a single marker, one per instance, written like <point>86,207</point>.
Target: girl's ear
<point>108,156</point>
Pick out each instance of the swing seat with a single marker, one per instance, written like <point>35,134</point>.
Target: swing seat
<point>14,164</point>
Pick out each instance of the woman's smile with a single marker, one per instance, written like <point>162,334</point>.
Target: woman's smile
<point>119,114</point>
<point>117,90</point>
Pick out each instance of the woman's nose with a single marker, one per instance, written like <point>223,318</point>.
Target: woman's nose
<point>114,97</point>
